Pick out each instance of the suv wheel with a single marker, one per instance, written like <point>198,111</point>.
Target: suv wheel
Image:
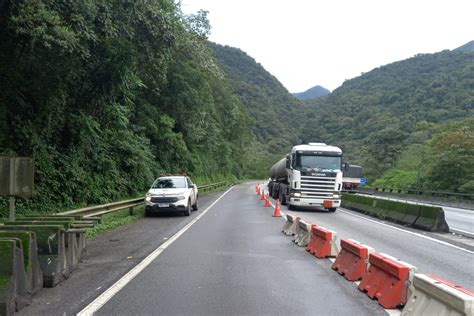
<point>195,206</point>
<point>188,209</point>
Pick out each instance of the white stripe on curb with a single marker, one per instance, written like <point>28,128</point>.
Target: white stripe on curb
<point>117,286</point>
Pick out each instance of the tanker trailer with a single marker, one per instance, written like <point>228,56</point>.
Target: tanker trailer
<point>309,176</point>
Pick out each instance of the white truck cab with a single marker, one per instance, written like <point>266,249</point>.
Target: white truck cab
<point>309,176</point>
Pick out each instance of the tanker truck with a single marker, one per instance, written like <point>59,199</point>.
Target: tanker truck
<point>309,176</point>
<point>351,177</point>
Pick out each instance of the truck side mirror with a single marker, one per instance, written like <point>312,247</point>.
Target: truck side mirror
<point>288,162</point>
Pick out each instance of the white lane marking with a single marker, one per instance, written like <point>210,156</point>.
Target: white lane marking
<point>409,232</point>
<point>462,231</point>
<point>117,286</point>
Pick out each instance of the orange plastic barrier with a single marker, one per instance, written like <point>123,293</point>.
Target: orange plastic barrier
<point>353,259</point>
<point>387,280</point>
<point>322,242</point>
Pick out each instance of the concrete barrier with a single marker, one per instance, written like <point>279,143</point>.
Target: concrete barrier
<point>8,257</point>
<point>51,251</point>
<point>353,260</point>
<point>71,246</point>
<point>388,280</point>
<point>34,276</point>
<point>424,217</point>
<point>431,218</point>
<point>289,228</point>
<point>303,233</point>
<point>13,289</point>
<point>435,296</point>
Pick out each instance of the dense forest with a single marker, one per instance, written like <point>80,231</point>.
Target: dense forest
<point>107,95</point>
<point>409,123</point>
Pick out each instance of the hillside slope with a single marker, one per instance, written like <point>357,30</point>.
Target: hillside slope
<point>274,113</point>
<point>374,117</point>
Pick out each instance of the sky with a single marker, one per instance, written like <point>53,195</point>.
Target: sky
<point>304,43</point>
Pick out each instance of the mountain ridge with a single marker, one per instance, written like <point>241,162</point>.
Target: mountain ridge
<point>312,93</point>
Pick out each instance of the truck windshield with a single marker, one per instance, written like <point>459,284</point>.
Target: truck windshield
<point>169,183</point>
<point>318,163</point>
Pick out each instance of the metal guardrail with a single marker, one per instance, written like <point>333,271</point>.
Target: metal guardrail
<point>426,192</point>
<point>211,186</point>
<point>99,210</point>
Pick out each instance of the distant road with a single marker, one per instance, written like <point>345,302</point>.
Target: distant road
<point>460,220</point>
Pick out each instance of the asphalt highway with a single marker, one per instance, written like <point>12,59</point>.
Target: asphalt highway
<point>236,261</point>
<point>230,258</point>
<point>460,220</point>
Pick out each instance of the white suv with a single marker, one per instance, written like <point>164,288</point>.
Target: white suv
<point>172,193</point>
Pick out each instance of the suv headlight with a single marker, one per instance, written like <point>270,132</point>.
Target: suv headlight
<point>181,197</point>
<point>148,198</point>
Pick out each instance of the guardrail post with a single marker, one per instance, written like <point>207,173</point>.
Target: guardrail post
<point>130,210</point>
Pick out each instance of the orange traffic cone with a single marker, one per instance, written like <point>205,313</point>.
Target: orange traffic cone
<point>267,201</point>
<point>262,196</point>
<point>258,189</point>
<point>277,212</point>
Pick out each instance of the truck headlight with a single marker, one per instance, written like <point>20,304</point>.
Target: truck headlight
<point>296,194</point>
<point>336,196</point>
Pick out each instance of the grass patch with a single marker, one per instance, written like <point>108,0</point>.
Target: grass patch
<point>116,219</point>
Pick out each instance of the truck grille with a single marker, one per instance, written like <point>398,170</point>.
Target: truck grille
<point>317,187</point>
<point>160,199</point>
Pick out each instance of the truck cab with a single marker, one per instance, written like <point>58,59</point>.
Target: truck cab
<point>312,177</point>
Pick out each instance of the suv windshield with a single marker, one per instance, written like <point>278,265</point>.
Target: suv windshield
<point>318,163</point>
<point>169,183</point>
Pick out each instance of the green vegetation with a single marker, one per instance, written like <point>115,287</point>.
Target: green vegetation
<point>105,96</point>
<point>408,123</point>
<point>116,219</point>
<point>443,163</point>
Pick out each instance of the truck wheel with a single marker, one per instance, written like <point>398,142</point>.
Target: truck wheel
<point>290,207</point>
<point>332,209</point>
<point>274,193</point>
